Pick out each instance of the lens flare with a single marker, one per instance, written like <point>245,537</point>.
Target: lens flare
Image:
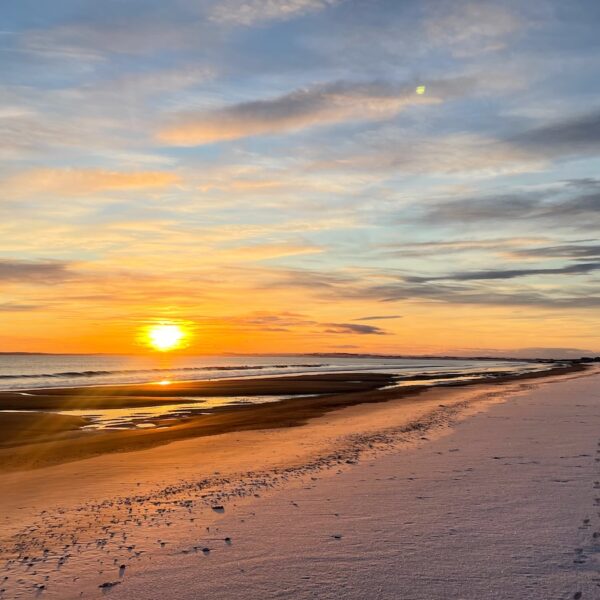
<point>165,337</point>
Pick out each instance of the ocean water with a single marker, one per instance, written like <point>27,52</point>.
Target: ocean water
<point>22,372</point>
<point>26,372</point>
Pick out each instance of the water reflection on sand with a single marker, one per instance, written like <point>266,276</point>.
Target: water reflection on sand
<point>146,417</point>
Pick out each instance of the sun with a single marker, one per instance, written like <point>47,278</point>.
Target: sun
<point>165,337</point>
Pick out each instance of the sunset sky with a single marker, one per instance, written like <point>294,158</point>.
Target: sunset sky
<point>265,173</point>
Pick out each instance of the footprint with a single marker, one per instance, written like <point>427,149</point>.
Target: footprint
<point>108,584</point>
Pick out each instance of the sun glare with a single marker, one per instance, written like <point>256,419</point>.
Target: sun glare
<point>165,337</point>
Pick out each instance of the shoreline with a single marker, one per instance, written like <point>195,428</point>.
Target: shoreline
<point>165,494</point>
<point>40,439</point>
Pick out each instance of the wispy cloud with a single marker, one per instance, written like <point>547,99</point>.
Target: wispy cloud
<point>84,181</point>
<point>511,246</point>
<point>469,295</point>
<point>315,105</point>
<point>569,251</point>
<point>251,12</point>
<point>28,271</point>
<point>562,205</point>
<point>389,149</point>
<point>259,252</point>
<point>468,26</point>
<point>576,269</point>
<point>392,150</point>
<point>486,288</point>
<point>379,318</point>
<point>571,136</point>
<point>16,307</point>
<point>353,328</point>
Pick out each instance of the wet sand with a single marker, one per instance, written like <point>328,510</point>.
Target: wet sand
<point>35,440</point>
<point>73,526</point>
<point>115,396</point>
<point>43,439</point>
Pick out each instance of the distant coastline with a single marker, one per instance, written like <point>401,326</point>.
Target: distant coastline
<point>593,358</point>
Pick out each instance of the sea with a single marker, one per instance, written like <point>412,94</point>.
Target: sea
<point>23,372</point>
<point>29,371</point>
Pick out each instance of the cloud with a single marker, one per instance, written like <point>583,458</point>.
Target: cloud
<point>514,248</point>
<point>379,318</point>
<point>32,135</point>
<point>259,321</point>
<point>316,105</point>
<point>391,150</point>
<point>576,269</point>
<point>70,182</point>
<point>556,204</point>
<point>251,12</point>
<point>510,246</point>
<point>483,296</point>
<point>353,328</point>
<point>92,41</point>
<point>27,271</point>
<point>141,86</point>
<point>487,208</point>
<point>467,288</point>
<point>576,135</point>
<point>16,307</point>
<point>289,321</point>
<point>570,251</point>
<point>473,26</point>
<point>584,182</point>
<point>305,278</point>
<point>266,251</point>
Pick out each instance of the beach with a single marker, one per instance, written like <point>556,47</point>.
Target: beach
<point>45,426</point>
<point>354,492</point>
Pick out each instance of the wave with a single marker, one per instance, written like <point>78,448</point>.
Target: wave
<point>69,374</point>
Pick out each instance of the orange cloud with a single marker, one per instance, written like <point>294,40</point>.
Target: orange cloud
<point>84,181</point>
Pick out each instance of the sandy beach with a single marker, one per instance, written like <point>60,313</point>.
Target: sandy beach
<point>39,428</point>
<point>395,499</point>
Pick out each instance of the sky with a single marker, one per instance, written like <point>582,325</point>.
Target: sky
<point>390,176</point>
